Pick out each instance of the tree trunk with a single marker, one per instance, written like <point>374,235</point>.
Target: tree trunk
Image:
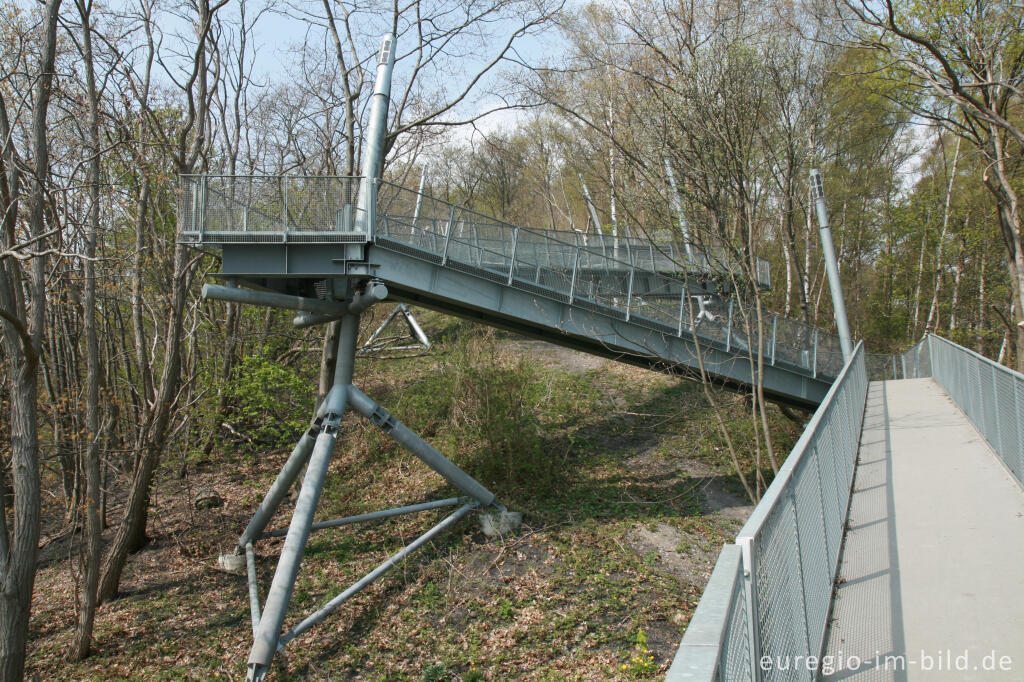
<point>92,547</point>
<point>132,531</point>
<point>22,345</point>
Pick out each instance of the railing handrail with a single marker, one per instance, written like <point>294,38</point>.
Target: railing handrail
<point>731,625</point>
<point>553,250</point>
<point>775,490</point>
<point>990,394</point>
<point>964,349</point>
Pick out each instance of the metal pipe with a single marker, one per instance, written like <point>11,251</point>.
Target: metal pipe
<point>373,516</point>
<point>775,328</point>
<point>373,154</point>
<point>279,488</point>
<point>419,196</point>
<point>728,330</point>
<point>469,486</point>
<point>591,207</point>
<point>417,330</point>
<point>265,642</point>
<point>814,361</point>
<point>575,267</point>
<point>629,292</point>
<point>272,299</point>
<point>831,267</point>
<point>512,264</point>
<point>268,633</point>
<point>366,580</point>
<point>304,320</point>
<point>448,235</point>
<point>254,590</point>
<point>374,293</point>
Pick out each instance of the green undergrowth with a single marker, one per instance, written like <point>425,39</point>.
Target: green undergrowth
<point>617,471</point>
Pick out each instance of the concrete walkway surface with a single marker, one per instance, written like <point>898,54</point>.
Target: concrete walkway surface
<point>932,570</point>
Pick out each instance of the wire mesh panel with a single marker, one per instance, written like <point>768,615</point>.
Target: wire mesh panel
<point>884,366</point>
<point>791,550</point>
<point>228,208</point>
<point>737,646</point>
<point>778,592</point>
<point>718,646</point>
<point>815,566</point>
<point>991,395</point>
<point>622,277</point>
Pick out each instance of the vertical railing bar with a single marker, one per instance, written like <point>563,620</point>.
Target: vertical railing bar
<point>750,570</point>
<point>682,306</point>
<point>728,330</point>
<point>284,208</point>
<point>203,191</point>
<point>800,565</point>
<point>775,327</point>
<point>814,361</point>
<point>629,293</point>
<point>572,283</point>
<point>512,264</point>
<point>476,245</point>
<point>448,236</point>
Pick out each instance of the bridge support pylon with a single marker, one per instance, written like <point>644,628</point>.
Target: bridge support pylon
<point>314,451</point>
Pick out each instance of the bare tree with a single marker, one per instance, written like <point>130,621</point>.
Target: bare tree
<point>23,308</point>
<point>969,56</point>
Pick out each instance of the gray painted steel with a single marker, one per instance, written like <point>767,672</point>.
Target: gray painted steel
<point>279,488</point>
<point>835,284</point>
<point>383,568</point>
<point>776,603</point>
<point>265,641</point>
<point>373,516</point>
<point>566,288</point>
<point>387,423</point>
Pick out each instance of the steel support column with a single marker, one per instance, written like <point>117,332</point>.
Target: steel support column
<point>268,632</point>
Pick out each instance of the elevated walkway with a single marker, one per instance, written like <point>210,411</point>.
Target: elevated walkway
<point>930,581</point>
<point>896,559</point>
<point>628,299</point>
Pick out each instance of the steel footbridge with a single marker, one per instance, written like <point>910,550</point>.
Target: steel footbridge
<point>656,305</point>
<point>330,248</point>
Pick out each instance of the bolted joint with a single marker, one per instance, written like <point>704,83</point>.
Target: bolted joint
<point>383,419</point>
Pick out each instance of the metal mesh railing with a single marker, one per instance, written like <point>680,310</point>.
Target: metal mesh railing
<point>917,361</point>
<point>758,617</point>
<point>635,280</point>
<point>403,205</point>
<point>990,394</point>
<point>884,366</point>
<point>231,209</point>
<point>646,286</point>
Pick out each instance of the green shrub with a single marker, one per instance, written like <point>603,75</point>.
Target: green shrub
<point>270,402</point>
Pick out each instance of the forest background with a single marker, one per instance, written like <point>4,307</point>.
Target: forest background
<point>116,373</point>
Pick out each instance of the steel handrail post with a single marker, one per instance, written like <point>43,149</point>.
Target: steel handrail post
<point>775,327</point>
<point>728,330</point>
<point>572,283</point>
<point>202,206</point>
<point>629,292</point>
<point>284,208</point>
<point>448,235</point>
<point>814,361</point>
<point>682,306</point>
<point>512,263</point>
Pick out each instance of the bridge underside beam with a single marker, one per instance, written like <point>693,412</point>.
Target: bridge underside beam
<point>581,324</point>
